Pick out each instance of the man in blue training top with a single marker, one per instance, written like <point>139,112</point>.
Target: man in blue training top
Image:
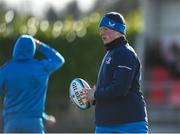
<point>119,104</point>
<point>24,83</point>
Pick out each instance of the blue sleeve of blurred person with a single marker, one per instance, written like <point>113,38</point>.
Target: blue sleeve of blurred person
<point>1,83</point>
<point>45,117</point>
<point>54,59</point>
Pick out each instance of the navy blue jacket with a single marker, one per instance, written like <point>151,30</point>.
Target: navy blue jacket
<point>118,96</point>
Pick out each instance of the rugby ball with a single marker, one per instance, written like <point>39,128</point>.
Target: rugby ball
<point>76,87</point>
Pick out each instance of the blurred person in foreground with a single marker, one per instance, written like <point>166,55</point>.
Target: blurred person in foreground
<point>24,83</point>
<point>119,103</point>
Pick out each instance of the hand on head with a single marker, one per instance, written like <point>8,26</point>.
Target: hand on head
<point>38,43</point>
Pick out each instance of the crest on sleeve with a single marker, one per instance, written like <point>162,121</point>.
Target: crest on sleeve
<point>108,60</point>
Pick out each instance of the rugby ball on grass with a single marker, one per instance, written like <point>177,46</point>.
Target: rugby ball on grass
<point>76,87</point>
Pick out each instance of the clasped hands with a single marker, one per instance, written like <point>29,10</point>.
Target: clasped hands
<point>88,94</point>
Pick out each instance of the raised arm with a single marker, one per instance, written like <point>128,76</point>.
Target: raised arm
<point>53,59</point>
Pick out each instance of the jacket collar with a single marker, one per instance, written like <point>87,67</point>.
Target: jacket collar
<point>119,41</point>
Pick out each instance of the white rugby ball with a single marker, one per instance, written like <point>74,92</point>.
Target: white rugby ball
<point>75,89</point>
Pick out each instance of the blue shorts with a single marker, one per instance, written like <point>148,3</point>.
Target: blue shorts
<point>135,127</point>
<point>23,125</point>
